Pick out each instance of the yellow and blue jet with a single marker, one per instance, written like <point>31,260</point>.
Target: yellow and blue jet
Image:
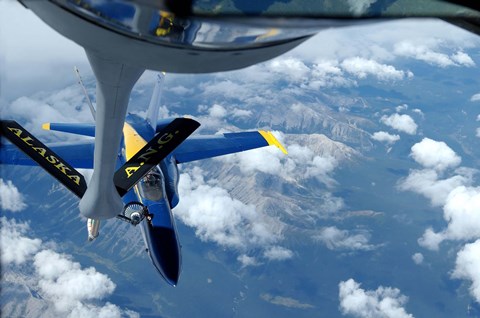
<point>147,172</point>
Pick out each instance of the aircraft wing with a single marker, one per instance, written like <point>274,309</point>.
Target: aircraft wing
<point>78,155</point>
<point>203,147</point>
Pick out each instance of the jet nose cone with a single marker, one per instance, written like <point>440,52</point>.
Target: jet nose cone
<point>165,253</point>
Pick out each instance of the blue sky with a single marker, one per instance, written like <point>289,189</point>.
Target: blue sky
<point>334,58</point>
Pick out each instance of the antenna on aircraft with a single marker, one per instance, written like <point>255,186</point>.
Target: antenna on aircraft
<point>77,73</point>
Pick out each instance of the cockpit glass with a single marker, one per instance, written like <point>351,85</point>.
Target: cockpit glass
<point>151,186</point>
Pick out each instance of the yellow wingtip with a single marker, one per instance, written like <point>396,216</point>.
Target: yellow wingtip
<point>46,126</point>
<point>272,141</point>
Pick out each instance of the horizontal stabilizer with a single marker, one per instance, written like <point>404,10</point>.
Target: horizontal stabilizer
<point>77,129</point>
<point>153,152</point>
<point>203,147</point>
<point>44,156</point>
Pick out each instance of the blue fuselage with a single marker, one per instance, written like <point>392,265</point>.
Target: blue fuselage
<point>159,196</point>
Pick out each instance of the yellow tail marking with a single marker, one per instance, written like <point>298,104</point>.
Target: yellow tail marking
<point>133,141</point>
<point>46,126</point>
<point>272,141</point>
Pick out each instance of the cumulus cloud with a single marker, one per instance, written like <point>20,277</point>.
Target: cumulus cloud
<point>434,154</point>
<point>403,123</point>
<point>477,132</point>
<point>66,284</point>
<point>217,111</point>
<point>475,98</point>
<point>417,258</point>
<point>61,282</point>
<point>431,240</point>
<point>382,302</point>
<point>278,253</point>
<point>428,183</point>
<point>16,248</point>
<point>336,239</point>
<point>219,218</point>
<point>467,266</point>
<point>462,58</point>
<point>460,200</point>
<point>429,53</point>
<point>64,105</point>
<point>400,108</point>
<point>361,68</point>
<point>384,136</point>
<point>302,162</point>
<point>239,113</point>
<point>328,73</point>
<point>10,198</point>
<point>294,68</point>
<point>461,213</point>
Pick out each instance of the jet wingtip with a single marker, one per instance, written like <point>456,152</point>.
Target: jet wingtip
<point>272,141</point>
<point>46,126</point>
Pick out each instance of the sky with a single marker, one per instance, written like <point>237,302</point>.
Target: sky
<point>333,58</point>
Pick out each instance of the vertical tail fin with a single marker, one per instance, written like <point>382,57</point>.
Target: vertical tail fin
<point>152,113</point>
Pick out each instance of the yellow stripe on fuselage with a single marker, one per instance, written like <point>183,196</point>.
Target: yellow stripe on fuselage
<point>133,141</point>
<point>272,141</point>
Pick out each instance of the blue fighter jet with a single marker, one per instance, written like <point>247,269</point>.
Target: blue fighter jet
<point>147,172</point>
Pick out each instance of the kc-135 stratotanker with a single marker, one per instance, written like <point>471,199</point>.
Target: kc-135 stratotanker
<point>147,173</point>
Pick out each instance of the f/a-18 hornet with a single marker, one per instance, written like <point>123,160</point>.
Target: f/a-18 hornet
<point>147,172</point>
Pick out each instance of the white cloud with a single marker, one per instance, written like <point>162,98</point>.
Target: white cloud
<point>181,90</point>
<point>10,198</point>
<point>378,41</point>
<point>463,59</point>
<point>238,113</point>
<point>475,98</point>
<point>477,132</point>
<point>362,68</point>
<point>16,248</point>
<point>247,260</point>
<point>467,266</point>
<point>431,240</point>
<point>336,239</point>
<point>427,183</point>
<point>417,258</point>
<point>217,111</point>
<point>66,284</point>
<point>382,302</point>
<point>400,108</point>
<point>328,73</point>
<point>301,162</point>
<point>107,311</point>
<point>459,199</point>
<point>291,68</point>
<point>384,136</point>
<point>219,218</point>
<point>278,253</point>
<point>429,52</point>
<point>461,211</point>
<point>434,154</point>
<point>62,284</point>
<point>403,123</point>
